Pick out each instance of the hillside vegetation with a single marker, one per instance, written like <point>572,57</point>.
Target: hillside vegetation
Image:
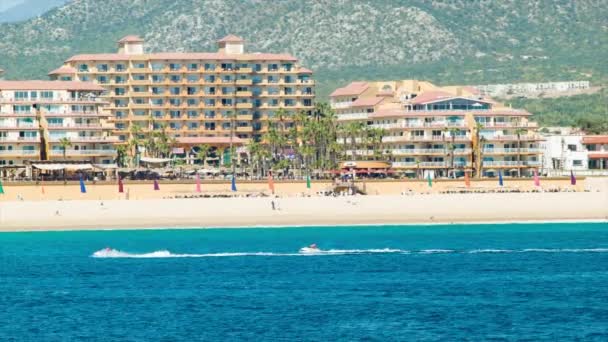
<point>456,41</point>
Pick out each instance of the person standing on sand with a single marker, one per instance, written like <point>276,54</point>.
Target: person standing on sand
<point>272,204</point>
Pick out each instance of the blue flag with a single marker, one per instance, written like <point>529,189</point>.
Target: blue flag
<point>83,189</point>
<point>500,182</point>
<point>233,182</point>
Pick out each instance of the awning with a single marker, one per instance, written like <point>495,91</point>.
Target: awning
<point>106,166</point>
<point>178,150</point>
<point>154,160</point>
<point>53,167</point>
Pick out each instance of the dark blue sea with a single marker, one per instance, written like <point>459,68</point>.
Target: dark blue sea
<point>510,282</point>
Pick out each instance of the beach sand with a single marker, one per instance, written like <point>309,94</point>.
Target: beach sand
<point>242,212</point>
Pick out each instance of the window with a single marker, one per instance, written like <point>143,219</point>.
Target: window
<point>209,66</point>
<point>102,67</point>
<point>174,66</point>
<point>577,162</point>
<point>192,66</point>
<point>83,68</point>
<point>157,78</point>
<point>46,94</point>
<point>158,66</point>
<point>572,148</point>
<point>139,65</point>
<point>120,67</point>
<point>21,95</point>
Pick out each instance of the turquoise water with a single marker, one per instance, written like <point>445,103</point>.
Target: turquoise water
<point>535,282</point>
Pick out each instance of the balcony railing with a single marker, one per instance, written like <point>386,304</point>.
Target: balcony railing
<point>19,152</point>
<point>19,139</point>
<point>83,152</point>
<point>512,150</point>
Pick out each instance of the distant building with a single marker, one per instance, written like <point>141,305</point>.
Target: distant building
<point>530,89</point>
<point>197,96</point>
<point>430,130</point>
<point>566,150</point>
<point>36,115</point>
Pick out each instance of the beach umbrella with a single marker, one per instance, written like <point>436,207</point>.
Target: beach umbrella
<point>429,180</point>
<point>572,178</point>
<point>307,181</point>
<point>536,179</point>
<point>198,183</point>
<point>467,180</point>
<point>156,186</point>
<point>83,188</point>
<point>1,188</point>
<point>270,182</point>
<point>500,182</point>
<point>233,187</point>
<point>121,187</point>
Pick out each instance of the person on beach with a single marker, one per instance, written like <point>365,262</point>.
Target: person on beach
<point>272,204</point>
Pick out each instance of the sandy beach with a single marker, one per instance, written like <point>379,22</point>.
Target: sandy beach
<point>242,212</point>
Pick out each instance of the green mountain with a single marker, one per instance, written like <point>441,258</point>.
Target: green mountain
<point>455,41</point>
<point>18,10</point>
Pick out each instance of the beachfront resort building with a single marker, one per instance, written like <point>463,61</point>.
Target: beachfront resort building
<point>52,120</point>
<point>200,98</point>
<point>427,130</point>
<point>567,150</point>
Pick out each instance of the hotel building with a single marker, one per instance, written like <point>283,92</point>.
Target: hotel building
<point>201,98</point>
<point>568,151</point>
<point>432,130</point>
<point>36,115</point>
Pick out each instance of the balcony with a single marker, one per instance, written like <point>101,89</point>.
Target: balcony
<point>20,139</point>
<point>244,117</point>
<point>513,138</point>
<point>244,129</point>
<point>83,126</point>
<point>70,153</point>
<point>404,164</point>
<point>19,126</point>
<point>244,93</point>
<point>244,82</point>
<point>244,105</point>
<point>511,150</point>
<point>19,153</point>
<point>353,116</point>
<point>99,139</point>
<point>245,70</point>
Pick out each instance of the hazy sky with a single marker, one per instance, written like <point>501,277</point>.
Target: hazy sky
<point>6,4</point>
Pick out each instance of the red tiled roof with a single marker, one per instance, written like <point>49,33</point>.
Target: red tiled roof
<point>131,39</point>
<point>49,85</point>
<point>367,102</point>
<point>595,139</point>
<point>231,39</point>
<point>303,70</point>
<point>354,88</point>
<point>209,140</point>
<point>598,155</point>
<point>63,70</point>
<point>184,56</point>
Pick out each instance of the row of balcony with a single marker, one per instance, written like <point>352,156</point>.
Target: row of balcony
<point>215,94</point>
<point>82,100</point>
<point>169,82</point>
<point>437,124</point>
<point>460,164</point>
<point>461,138</point>
<point>183,69</point>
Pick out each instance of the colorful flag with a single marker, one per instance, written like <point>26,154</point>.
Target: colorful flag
<point>233,183</point>
<point>572,178</point>
<point>429,180</point>
<point>83,189</point>
<point>121,187</point>
<point>308,182</point>
<point>536,179</point>
<point>1,188</point>
<point>270,182</point>
<point>156,186</point>
<point>198,182</point>
<point>500,182</point>
<point>467,180</point>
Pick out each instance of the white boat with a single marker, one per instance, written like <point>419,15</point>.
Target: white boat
<point>312,249</point>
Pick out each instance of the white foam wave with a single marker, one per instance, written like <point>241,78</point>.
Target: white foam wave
<point>113,253</point>
<point>489,250</point>
<point>436,251</point>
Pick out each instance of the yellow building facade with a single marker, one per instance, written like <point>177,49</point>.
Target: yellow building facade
<point>199,98</point>
<point>428,130</point>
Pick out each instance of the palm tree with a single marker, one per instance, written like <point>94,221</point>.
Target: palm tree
<point>135,141</point>
<point>452,147</point>
<point>519,133</point>
<point>202,153</point>
<point>353,130</point>
<point>478,148</point>
<point>64,143</point>
<point>121,151</point>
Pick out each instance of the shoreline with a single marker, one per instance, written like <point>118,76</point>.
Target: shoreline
<point>357,225</point>
<point>378,210</point>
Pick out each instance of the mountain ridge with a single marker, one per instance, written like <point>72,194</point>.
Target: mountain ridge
<point>341,40</point>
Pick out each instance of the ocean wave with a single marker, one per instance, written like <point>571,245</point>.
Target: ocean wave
<point>490,250</point>
<point>113,253</point>
<point>436,251</point>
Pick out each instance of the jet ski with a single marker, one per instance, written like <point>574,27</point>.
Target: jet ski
<point>312,249</point>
